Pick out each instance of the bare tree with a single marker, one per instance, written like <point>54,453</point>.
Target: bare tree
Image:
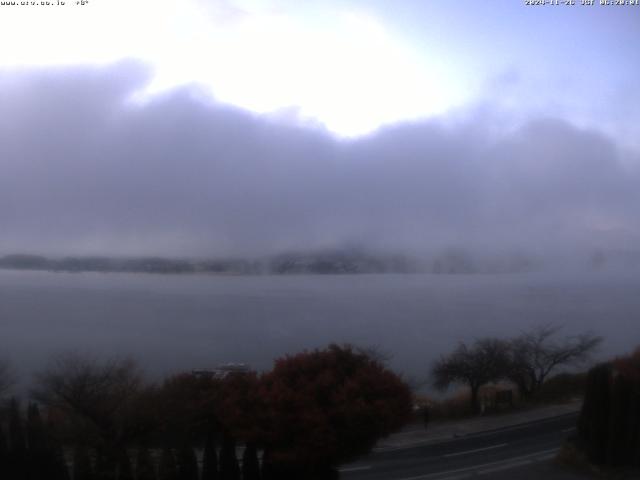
<point>376,353</point>
<point>87,386</point>
<point>98,397</point>
<point>538,352</point>
<point>475,365</point>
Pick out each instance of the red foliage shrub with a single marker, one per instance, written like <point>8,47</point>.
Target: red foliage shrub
<point>629,366</point>
<point>326,407</point>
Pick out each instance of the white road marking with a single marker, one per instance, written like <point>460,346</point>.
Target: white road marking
<point>506,466</point>
<point>355,469</point>
<point>475,450</point>
<point>463,436</point>
<point>509,465</point>
<point>543,455</point>
<point>415,444</point>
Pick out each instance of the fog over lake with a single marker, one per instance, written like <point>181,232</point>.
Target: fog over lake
<point>175,322</point>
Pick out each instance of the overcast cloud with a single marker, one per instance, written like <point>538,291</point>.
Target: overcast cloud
<point>86,171</point>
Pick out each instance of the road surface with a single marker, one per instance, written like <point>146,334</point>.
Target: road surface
<point>481,454</point>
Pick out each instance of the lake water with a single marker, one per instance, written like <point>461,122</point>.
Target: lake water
<point>177,322</point>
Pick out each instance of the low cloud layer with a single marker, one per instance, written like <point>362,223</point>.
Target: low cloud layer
<point>86,171</point>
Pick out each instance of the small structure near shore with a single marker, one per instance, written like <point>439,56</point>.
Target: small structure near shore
<point>222,371</point>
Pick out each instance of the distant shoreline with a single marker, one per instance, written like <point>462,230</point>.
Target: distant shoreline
<point>338,262</point>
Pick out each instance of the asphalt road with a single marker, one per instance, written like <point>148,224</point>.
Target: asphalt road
<point>482,454</point>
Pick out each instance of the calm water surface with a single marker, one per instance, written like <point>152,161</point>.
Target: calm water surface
<point>195,321</point>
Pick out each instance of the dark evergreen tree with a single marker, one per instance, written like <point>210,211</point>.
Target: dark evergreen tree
<point>36,435</point>
<point>594,417</point>
<point>187,463</point>
<point>609,423</point>
<point>105,468</point>
<point>38,451</point>
<point>17,461</point>
<point>250,464</point>
<point>58,463</point>
<point>125,472</point>
<point>168,469</point>
<point>210,459</point>
<point>621,437</point>
<point>82,468</point>
<point>229,469</point>
<point>267,469</point>
<point>4,455</point>
<point>145,469</point>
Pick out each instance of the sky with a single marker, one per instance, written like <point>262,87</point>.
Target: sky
<point>205,128</point>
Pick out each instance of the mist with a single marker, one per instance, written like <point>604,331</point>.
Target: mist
<point>91,166</point>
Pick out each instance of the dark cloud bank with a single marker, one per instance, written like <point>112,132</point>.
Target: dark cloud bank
<point>83,171</point>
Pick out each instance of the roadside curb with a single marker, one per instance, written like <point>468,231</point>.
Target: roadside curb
<point>518,425</point>
<point>456,436</point>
